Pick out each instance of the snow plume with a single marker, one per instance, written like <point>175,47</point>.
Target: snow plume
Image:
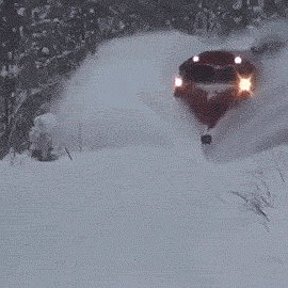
<point>123,97</point>
<point>119,98</point>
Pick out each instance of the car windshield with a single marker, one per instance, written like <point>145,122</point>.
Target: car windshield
<point>220,58</point>
<point>209,74</point>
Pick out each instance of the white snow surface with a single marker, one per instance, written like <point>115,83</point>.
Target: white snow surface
<point>143,205</point>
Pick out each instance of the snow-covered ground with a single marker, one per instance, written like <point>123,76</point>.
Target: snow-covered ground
<point>142,206</point>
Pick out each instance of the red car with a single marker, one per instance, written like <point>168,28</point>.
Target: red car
<point>213,81</point>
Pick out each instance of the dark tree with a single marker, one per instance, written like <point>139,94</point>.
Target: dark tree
<point>270,7</point>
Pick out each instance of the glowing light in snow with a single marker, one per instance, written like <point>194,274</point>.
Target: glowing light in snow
<point>196,58</point>
<point>178,82</point>
<point>245,84</point>
<point>238,60</point>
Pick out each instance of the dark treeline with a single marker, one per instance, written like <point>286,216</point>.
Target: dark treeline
<point>43,41</point>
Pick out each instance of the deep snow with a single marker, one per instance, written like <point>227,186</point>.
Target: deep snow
<point>142,206</point>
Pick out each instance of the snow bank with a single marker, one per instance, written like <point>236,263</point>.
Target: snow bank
<point>140,217</point>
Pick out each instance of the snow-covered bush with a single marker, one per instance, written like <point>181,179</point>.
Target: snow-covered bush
<point>41,136</point>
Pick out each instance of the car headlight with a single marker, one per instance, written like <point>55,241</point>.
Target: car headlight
<point>245,85</point>
<point>178,82</point>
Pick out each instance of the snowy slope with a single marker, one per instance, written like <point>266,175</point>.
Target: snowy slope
<point>141,206</point>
